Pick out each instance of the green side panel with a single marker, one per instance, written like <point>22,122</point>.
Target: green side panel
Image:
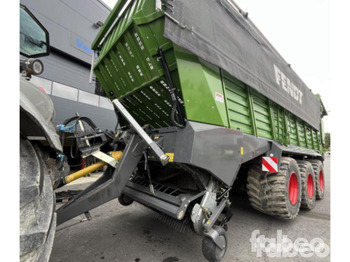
<point>280,131</point>
<point>201,89</point>
<point>283,127</point>
<point>322,135</point>
<point>262,115</point>
<point>301,132</point>
<point>291,128</point>
<point>309,138</point>
<point>315,138</point>
<point>254,114</point>
<point>247,110</point>
<point>237,105</point>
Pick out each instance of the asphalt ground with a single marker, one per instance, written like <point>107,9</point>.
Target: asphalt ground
<point>136,234</point>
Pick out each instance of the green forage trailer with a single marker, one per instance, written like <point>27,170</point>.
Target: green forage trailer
<point>202,99</point>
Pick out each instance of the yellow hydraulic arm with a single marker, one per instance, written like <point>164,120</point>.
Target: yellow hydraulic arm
<point>83,172</point>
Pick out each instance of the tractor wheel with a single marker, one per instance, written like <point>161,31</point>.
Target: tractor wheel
<point>319,177</point>
<point>210,250</point>
<point>276,194</point>
<point>37,206</point>
<point>308,185</point>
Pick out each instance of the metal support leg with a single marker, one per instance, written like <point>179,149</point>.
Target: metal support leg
<point>164,159</point>
<point>215,215</point>
<point>108,187</point>
<point>208,227</point>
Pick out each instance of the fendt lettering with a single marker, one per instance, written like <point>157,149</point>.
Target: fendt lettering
<point>287,85</point>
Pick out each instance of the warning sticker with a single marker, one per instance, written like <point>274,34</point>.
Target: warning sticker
<point>270,164</point>
<point>219,97</point>
<point>171,156</point>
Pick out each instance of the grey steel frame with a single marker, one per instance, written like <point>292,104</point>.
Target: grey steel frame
<point>217,150</point>
<point>108,187</point>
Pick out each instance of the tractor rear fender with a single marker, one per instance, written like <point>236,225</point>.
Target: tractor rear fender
<point>36,114</point>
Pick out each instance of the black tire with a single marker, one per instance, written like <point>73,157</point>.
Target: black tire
<point>210,250</point>
<point>308,185</point>
<point>270,193</point>
<point>320,178</point>
<point>37,206</point>
<point>125,200</point>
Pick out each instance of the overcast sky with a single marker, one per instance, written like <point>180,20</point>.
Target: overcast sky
<point>299,30</point>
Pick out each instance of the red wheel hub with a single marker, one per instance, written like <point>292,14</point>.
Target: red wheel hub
<point>293,189</point>
<point>320,180</point>
<point>310,186</point>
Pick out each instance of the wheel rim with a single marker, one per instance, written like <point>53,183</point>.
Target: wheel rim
<point>293,189</point>
<point>310,186</point>
<point>320,180</point>
<point>222,252</point>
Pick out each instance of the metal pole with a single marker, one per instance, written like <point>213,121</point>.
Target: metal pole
<point>164,159</point>
<point>92,67</point>
<point>245,14</point>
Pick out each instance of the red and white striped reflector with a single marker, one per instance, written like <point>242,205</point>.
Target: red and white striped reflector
<point>270,164</point>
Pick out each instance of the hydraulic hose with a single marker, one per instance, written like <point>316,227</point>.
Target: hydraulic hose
<point>176,108</point>
<point>83,172</point>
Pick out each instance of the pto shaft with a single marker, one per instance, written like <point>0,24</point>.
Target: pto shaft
<point>83,172</point>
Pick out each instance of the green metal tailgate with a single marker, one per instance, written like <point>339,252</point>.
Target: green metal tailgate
<point>127,65</point>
